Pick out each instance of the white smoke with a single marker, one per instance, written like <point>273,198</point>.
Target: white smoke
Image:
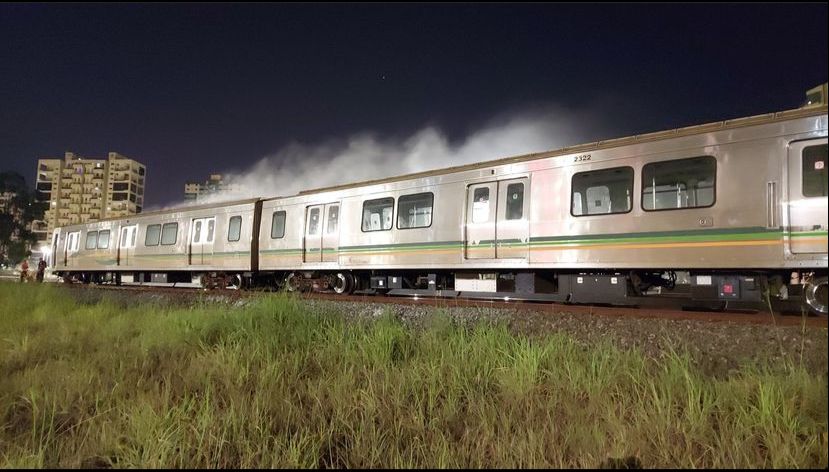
<point>366,156</point>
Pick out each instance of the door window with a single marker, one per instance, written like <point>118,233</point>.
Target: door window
<point>480,206</point>
<point>203,229</point>
<point>814,171</point>
<point>313,221</point>
<point>333,217</point>
<point>515,201</point>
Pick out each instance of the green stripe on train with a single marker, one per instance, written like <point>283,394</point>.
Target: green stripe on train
<point>654,237</point>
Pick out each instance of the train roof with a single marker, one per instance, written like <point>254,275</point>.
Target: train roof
<point>593,146</point>
<point>165,211</point>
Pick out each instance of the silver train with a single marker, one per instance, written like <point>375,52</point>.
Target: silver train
<point>727,211</point>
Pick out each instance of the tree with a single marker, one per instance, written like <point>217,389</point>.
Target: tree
<point>16,216</point>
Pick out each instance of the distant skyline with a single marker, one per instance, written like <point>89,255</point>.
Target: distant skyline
<point>193,89</point>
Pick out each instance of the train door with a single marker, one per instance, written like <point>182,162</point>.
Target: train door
<point>807,197</point>
<point>512,228</point>
<point>72,245</point>
<point>497,220</point>
<point>53,257</point>
<point>126,245</point>
<point>331,237</point>
<point>313,234</point>
<point>480,220</point>
<point>201,240</point>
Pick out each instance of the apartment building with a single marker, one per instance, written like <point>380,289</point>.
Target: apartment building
<point>81,189</point>
<point>214,185</point>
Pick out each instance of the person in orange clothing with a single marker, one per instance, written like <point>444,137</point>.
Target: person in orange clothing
<point>24,270</point>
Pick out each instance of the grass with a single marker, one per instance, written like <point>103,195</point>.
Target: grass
<point>271,385</point>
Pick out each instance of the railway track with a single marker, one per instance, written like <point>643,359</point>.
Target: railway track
<point>740,316</point>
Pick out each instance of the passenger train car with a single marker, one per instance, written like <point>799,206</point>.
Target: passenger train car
<point>727,211</point>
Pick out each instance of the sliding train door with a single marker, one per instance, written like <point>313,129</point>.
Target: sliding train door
<point>201,241</point>
<point>312,251</point>
<point>331,237</point>
<point>126,245</point>
<point>497,220</point>
<point>322,233</point>
<point>807,196</point>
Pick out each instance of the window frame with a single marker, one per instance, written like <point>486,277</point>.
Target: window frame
<point>210,237</point>
<point>284,223</point>
<point>488,205</point>
<point>803,171</point>
<point>94,241</point>
<point>328,230</point>
<point>319,220</point>
<point>431,214</point>
<point>507,201</point>
<point>230,226</point>
<point>73,241</point>
<point>161,237</point>
<point>147,234</point>
<point>109,235</point>
<point>632,191</point>
<point>642,184</point>
<point>363,212</point>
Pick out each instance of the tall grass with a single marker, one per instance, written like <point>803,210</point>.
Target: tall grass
<point>272,385</point>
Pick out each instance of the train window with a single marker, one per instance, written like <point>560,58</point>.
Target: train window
<point>197,224</point>
<point>91,239</point>
<point>683,183</point>
<point>601,192</point>
<point>234,229</point>
<point>169,234</point>
<point>377,214</point>
<point>211,224</point>
<point>313,221</point>
<point>515,202</point>
<point>333,218</point>
<point>103,239</point>
<point>814,171</point>
<point>415,211</point>
<point>480,207</point>
<point>73,241</point>
<point>153,235</point>
<point>128,235</point>
<point>278,225</point>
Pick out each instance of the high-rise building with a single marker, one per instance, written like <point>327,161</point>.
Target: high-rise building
<point>81,189</point>
<point>213,186</point>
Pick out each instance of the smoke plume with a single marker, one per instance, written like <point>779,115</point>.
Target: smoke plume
<point>366,156</point>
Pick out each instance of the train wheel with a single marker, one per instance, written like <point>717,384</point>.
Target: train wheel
<point>816,296</point>
<point>236,282</point>
<point>291,282</point>
<point>343,283</point>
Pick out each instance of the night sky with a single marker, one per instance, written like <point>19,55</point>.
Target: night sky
<point>189,89</point>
